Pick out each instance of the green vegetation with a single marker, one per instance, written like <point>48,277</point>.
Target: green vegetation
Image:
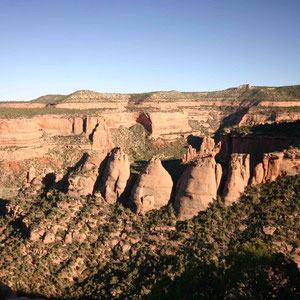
<point>50,99</point>
<point>223,253</point>
<point>136,141</point>
<point>292,91</point>
<point>147,109</point>
<point>12,113</point>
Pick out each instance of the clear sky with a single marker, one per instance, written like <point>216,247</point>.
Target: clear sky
<point>60,46</point>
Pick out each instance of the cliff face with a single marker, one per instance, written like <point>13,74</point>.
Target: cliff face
<point>255,145</point>
<point>47,130</point>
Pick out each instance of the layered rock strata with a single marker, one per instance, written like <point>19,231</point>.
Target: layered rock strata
<point>197,187</point>
<point>237,178</point>
<point>152,189</point>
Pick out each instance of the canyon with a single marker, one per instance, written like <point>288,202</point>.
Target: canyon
<point>55,134</point>
<point>97,185</point>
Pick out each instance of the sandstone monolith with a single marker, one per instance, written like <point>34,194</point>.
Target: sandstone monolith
<point>115,175</point>
<point>197,187</point>
<point>238,177</point>
<point>152,189</point>
<point>258,174</point>
<point>207,146</point>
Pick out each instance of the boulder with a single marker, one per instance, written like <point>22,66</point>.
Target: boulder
<point>82,185</point>
<point>238,177</point>
<point>115,175</point>
<point>49,238</point>
<point>152,189</point>
<point>197,187</point>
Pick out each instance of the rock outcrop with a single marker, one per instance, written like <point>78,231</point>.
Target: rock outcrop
<point>82,185</point>
<point>258,174</point>
<point>115,175</point>
<point>152,189</point>
<point>255,145</point>
<point>101,138</point>
<point>207,146</point>
<point>238,177</point>
<point>81,181</point>
<point>189,155</point>
<point>290,165</point>
<point>197,187</point>
<point>166,123</point>
<point>269,170</point>
<point>271,165</point>
<point>34,181</point>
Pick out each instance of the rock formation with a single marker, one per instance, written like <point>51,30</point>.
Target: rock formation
<point>255,145</point>
<point>269,170</point>
<point>271,165</point>
<point>258,174</point>
<point>152,188</point>
<point>34,181</point>
<point>115,175</point>
<point>191,154</point>
<point>197,187</point>
<point>238,177</point>
<point>164,123</point>
<point>207,146</point>
<point>81,181</point>
<point>30,174</point>
<point>100,136</point>
<point>81,185</point>
<point>290,165</point>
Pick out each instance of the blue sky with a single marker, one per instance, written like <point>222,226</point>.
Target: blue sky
<point>60,46</point>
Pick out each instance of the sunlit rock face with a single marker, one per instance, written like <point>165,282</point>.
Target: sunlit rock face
<point>268,170</point>
<point>207,146</point>
<point>152,189</point>
<point>189,155</point>
<point>197,187</point>
<point>115,175</point>
<point>237,178</point>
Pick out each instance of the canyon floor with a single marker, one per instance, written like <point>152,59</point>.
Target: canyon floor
<point>161,195</point>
